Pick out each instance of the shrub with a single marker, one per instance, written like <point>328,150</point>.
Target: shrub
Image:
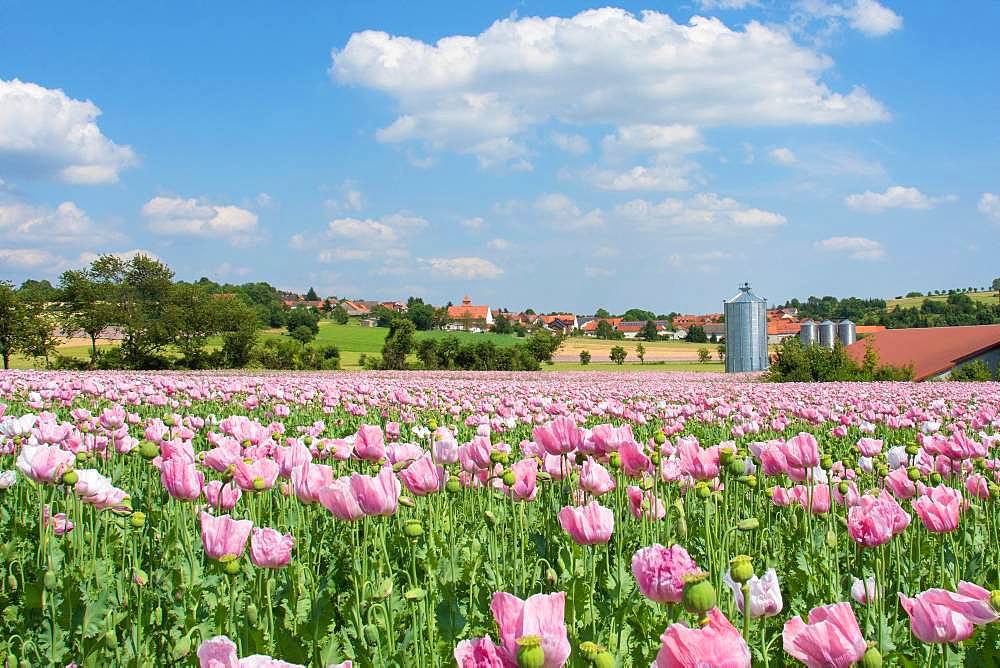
<point>976,371</point>
<point>585,357</point>
<point>795,362</point>
<point>618,355</point>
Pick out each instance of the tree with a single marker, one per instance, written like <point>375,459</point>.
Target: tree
<point>639,314</point>
<point>640,352</point>
<point>649,331</point>
<point>975,371</point>
<point>139,291</point>
<point>421,314</point>
<point>302,334</point>
<point>618,355</point>
<point>696,334</point>
<point>39,292</point>
<point>584,357</point>
<point>398,343</point>
<point>38,334</point>
<point>606,332</point>
<point>339,315</point>
<point>995,285</point>
<point>704,355</point>
<point>12,316</point>
<point>300,317</point>
<point>720,350</point>
<point>542,345</point>
<point>311,296</point>
<point>602,313</point>
<point>85,306</point>
<point>502,325</point>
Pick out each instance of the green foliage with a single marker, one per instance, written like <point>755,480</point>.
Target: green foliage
<point>311,295</point>
<point>696,334</point>
<point>976,371</point>
<point>25,326</point>
<point>602,313</point>
<point>301,317</point>
<point>339,315</point>
<point>482,355</point>
<point>606,332</point>
<point>720,350</point>
<point>703,355</point>
<point>618,355</point>
<point>796,362</point>
<point>541,345</point>
<point>585,357</point>
<point>640,352</point>
<point>502,325</point>
<point>303,334</point>
<point>649,332</point>
<point>398,344</point>
<point>638,314</point>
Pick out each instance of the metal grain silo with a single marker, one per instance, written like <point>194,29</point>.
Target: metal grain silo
<point>809,332</point>
<point>847,332</point>
<point>827,333</point>
<point>746,332</point>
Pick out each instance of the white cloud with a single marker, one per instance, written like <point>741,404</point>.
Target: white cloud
<point>367,230</point>
<point>867,16</point>
<point>88,257</point>
<point>351,199</point>
<point>657,177</point>
<point>643,137</point>
<point>559,210</point>
<point>472,223</point>
<point>199,218</point>
<point>895,197</point>
<point>498,244</point>
<point>602,66</point>
<point>44,132</point>
<point>571,143</point>
<point>727,4</point>
<point>67,223</point>
<point>990,205</point>
<point>705,211</point>
<point>344,255</point>
<point>403,221</point>
<point>30,258</point>
<point>227,269</point>
<point>857,248</point>
<point>297,241</point>
<point>469,268</point>
<point>783,155</point>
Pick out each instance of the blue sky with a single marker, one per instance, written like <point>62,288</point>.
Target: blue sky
<point>556,155</point>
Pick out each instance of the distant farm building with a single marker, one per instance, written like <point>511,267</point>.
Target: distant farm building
<point>933,352</point>
<point>355,309</point>
<point>469,317</point>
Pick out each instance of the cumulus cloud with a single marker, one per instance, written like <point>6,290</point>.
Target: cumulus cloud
<point>67,223</point>
<point>498,244</point>
<point>990,205</point>
<point>560,211</point>
<point>656,177</point>
<point>705,211</point>
<point>344,255</point>
<point>45,133</point>
<point>895,197</point>
<point>602,66</point>
<point>366,230</point>
<point>30,258</point>
<point>469,268</point>
<point>643,137</point>
<point>178,216</point>
<point>856,248</point>
<point>571,143</point>
<point>783,155</point>
<point>867,16</point>
<point>88,256</point>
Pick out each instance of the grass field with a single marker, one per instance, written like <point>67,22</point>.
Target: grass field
<point>354,341</point>
<point>909,302</point>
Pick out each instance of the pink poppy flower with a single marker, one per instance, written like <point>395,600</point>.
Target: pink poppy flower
<point>595,479</point>
<point>378,495</point>
<point>423,476</point>
<point>559,437</point>
<point>220,652</point>
<point>369,443</point>
<point>592,524</point>
<point>525,487</point>
<point>659,571</point>
<point>645,505</point>
<point>258,474</point>
<point>541,615</point>
<point>831,639</point>
<point>939,509</point>
<point>339,499</point>
<point>938,615</point>
<point>715,645</point>
<point>223,536</point>
<point>308,479</point>
<point>181,479</point>
<point>44,463</point>
<point>481,653</point>
<point>269,548</point>
<point>222,496</point>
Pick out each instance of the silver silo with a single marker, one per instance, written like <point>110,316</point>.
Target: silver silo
<point>746,332</point>
<point>827,334</point>
<point>847,332</point>
<point>809,332</point>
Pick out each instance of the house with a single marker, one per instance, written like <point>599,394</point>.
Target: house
<point>397,307</point>
<point>589,328</point>
<point>716,328</point>
<point>865,330</point>
<point>781,328</point>
<point>469,317</point>
<point>355,309</point>
<point>933,352</point>
<point>689,321</point>
<point>633,328</point>
<point>563,323</point>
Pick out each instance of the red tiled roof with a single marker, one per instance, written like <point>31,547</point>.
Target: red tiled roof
<point>782,326</point>
<point>468,311</point>
<point>931,350</point>
<point>591,326</point>
<point>869,329</point>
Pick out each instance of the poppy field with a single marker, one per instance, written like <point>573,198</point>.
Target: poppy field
<point>496,520</point>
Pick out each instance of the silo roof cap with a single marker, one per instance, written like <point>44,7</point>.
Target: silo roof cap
<point>745,296</point>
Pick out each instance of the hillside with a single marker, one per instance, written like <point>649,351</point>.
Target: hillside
<point>988,297</point>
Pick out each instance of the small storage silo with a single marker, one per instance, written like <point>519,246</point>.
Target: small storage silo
<point>847,332</point>
<point>827,334</point>
<point>746,332</point>
<point>809,332</point>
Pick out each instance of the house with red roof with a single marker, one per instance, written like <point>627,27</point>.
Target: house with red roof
<point>469,317</point>
<point>933,352</point>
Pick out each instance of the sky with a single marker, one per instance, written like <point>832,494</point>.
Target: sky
<point>553,155</point>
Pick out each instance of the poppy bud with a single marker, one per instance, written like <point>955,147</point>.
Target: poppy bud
<point>551,576</point>
<point>749,524</point>
<point>453,486</point>
<point>407,501</point>
<point>11,661</point>
<point>49,580</point>
<point>646,484</point>
<point>432,424</point>
<point>831,539</point>
<point>413,529</point>
<point>530,653</point>
<point>252,617</point>
<point>882,470</point>
<point>12,582</point>
<point>181,648</point>
<point>139,577</point>
<point>994,490</point>
<point>81,456</point>
<point>741,568</point>
<point>497,456</point>
<point>110,639</point>
<point>491,519</point>
<point>372,634</point>
<point>726,455</point>
<point>415,594</point>
<point>659,438</point>
<point>654,457</point>
<point>699,594</point>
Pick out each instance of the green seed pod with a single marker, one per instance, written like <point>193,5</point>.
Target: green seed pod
<point>604,659</point>
<point>413,529</point>
<point>497,456</point>
<point>615,460</point>
<point>703,491</point>
<point>751,481</point>
<point>871,659</point>
<point>826,462</point>
<point>137,519</point>
<point>699,594</point>
<point>741,568</point>
<point>726,455</point>
<point>736,466</point>
<point>70,477</point>
<point>882,470</point>
<point>936,478</point>
<point>432,424</point>
<point>371,634</point>
<point>659,438</point>
<point>81,456</point>
<point>149,450</point>
<point>994,490</point>
<point>508,478</point>
<point>655,457</point>
<point>252,617</point>
<point>843,487</point>
<point>831,539</point>
<point>914,474</point>
<point>749,524</point>
<point>453,486</point>
<point>912,449</point>
<point>231,567</point>
<point>49,579</point>
<point>110,639</point>
<point>530,653</point>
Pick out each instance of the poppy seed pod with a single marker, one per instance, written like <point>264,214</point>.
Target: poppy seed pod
<point>530,653</point>
<point>252,616</point>
<point>70,477</point>
<point>149,450</point>
<point>936,479</point>
<point>914,474</point>
<point>703,491</point>
<point>751,481</point>
<point>615,460</point>
<point>736,466</point>
<point>826,462</point>
<point>912,449</point>
<point>659,438</point>
<point>871,659</point>
<point>231,566</point>
<point>995,599</point>
<point>843,487</point>
<point>699,595</point>
<point>508,477</point>
<point>741,568</point>
<point>137,519</point>
<point>413,528</point>
<point>726,455</point>
<point>453,486</point>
